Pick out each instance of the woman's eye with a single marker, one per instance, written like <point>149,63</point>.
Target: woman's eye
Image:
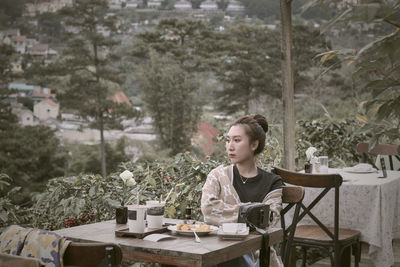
<point>237,140</point>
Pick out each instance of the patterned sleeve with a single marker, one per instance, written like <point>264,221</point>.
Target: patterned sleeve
<point>214,206</point>
<point>274,200</point>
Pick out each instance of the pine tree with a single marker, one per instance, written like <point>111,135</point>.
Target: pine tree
<point>7,119</point>
<point>171,96</point>
<point>89,67</point>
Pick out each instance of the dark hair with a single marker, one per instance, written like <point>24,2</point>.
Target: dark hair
<point>256,128</point>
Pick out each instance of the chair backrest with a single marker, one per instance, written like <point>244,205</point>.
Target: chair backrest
<point>390,150</point>
<point>326,181</point>
<point>92,254</point>
<point>292,196</point>
<point>18,261</point>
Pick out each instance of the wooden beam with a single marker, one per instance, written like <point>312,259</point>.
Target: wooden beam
<point>288,84</point>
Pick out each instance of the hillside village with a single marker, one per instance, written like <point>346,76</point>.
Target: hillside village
<point>43,106</point>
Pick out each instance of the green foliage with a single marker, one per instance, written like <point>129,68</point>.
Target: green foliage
<point>5,181</point>
<point>31,154</point>
<point>184,173</point>
<point>86,158</point>
<point>76,200</point>
<point>377,66</point>
<point>10,213</point>
<point>196,3</point>
<point>222,4</point>
<point>261,9</point>
<point>50,24</point>
<point>167,4</point>
<point>181,39</point>
<point>12,9</point>
<point>90,198</point>
<point>242,54</point>
<point>7,119</point>
<point>171,96</point>
<point>336,139</point>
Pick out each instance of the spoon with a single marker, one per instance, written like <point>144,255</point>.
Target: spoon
<point>197,239</point>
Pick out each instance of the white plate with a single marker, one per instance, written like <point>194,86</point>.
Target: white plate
<point>351,170</point>
<point>190,233</point>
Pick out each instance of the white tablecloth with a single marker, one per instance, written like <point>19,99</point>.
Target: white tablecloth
<point>368,204</point>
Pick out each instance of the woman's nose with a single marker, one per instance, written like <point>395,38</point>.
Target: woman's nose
<point>229,146</point>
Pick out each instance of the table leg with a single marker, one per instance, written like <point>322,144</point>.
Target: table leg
<point>346,257</point>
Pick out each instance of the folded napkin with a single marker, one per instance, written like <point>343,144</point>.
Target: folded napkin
<point>361,167</point>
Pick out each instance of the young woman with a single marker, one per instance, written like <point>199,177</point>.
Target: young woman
<point>229,187</point>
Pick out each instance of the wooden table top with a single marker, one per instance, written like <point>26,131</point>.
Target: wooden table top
<point>181,251</point>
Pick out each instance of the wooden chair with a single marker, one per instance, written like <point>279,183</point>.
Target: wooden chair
<point>18,261</point>
<point>334,239</point>
<point>292,196</point>
<point>390,150</point>
<point>92,254</point>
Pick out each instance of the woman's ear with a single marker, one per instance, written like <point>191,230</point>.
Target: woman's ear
<point>254,145</point>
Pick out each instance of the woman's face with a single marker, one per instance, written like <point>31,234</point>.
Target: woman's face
<point>238,145</point>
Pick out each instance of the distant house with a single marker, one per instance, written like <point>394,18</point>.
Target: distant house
<point>30,42</point>
<point>23,89</point>
<point>183,5</point>
<point>32,9</point>
<point>120,97</point>
<point>25,116</point>
<point>19,44</point>
<point>13,32</point>
<point>39,50</point>
<point>235,6</point>
<point>46,109</point>
<point>44,93</point>
<point>209,5</point>
<point>154,3</point>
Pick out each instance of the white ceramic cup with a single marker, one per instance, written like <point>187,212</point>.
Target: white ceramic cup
<point>136,216</point>
<point>324,164</point>
<point>155,213</point>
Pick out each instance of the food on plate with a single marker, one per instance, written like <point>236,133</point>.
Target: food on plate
<point>197,227</point>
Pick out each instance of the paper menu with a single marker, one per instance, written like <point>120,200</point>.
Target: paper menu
<point>157,237</point>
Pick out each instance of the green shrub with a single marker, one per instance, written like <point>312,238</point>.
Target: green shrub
<point>335,139</point>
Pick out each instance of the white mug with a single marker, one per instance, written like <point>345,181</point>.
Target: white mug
<point>136,218</point>
<point>155,213</point>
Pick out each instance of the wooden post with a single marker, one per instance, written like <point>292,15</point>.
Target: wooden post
<point>288,84</point>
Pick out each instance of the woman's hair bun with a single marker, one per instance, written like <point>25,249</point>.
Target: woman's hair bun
<point>262,121</point>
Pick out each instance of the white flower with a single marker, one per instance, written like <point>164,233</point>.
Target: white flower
<point>310,153</point>
<point>127,177</point>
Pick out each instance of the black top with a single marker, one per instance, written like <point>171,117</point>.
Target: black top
<point>255,188</point>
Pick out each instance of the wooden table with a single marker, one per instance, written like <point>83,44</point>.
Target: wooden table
<point>181,251</point>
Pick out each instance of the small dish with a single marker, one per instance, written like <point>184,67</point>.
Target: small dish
<point>233,236</point>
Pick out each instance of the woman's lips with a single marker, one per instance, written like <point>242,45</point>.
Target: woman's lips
<point>232,155</point>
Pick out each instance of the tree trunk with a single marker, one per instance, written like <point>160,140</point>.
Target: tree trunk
<point>102,145</point>
<point>288,84</point>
